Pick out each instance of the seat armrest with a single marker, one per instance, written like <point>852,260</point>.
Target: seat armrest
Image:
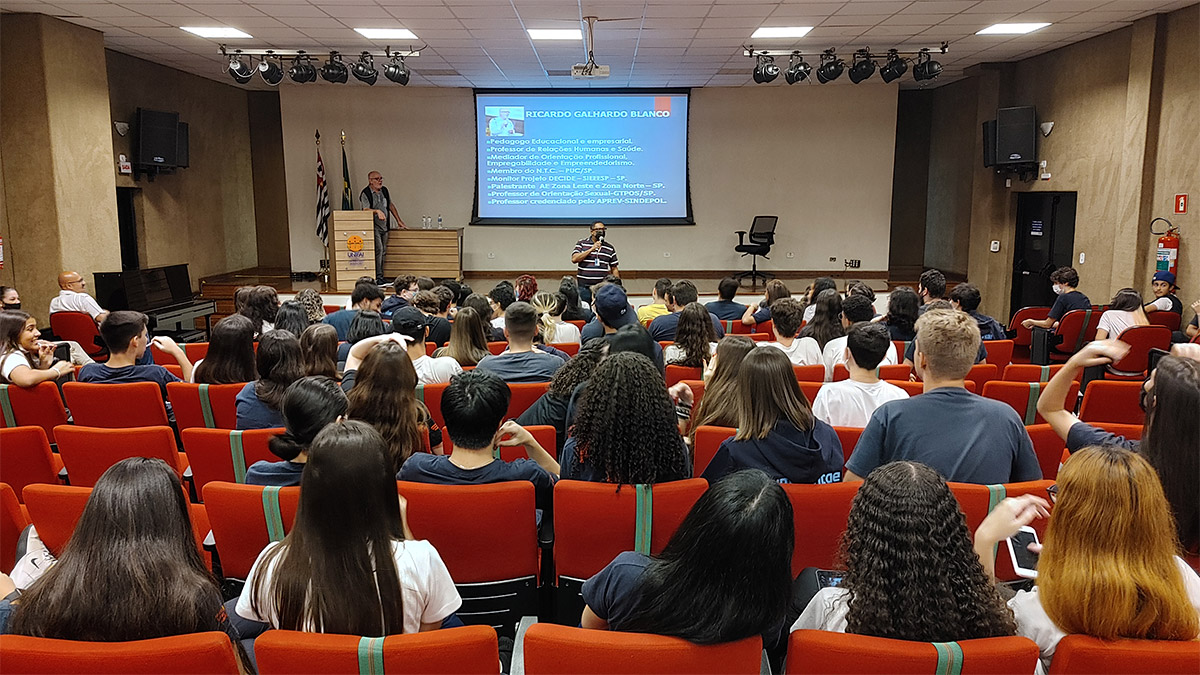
<point>741,237</point>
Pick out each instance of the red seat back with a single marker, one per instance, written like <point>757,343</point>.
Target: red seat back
<point>976,501</point>
<point>820,519</point>
<point>913,388</point>
<point>87,452</point>
<point>79,327</point>
<point>849,438</point>
<point>523,395</point>
<point>210,652</point>
<point>1141,339</point>
<point>197,350</point>
<point>468,649</point>
<point>1024,337</point>
<point>813,651</point>
<point>707,441</point>
<point>497,348</point>
<point>544,434</point>
<point>761,337</point>
<point>12,523</point>
<point>239,516</point>
<point>225,454</point>
<point>1079,654</point>
<point>1107,401</point>
<point>676,374</point>
<point>1076,328</point>
<point>207,406</point>
<point>982,373</point>
<point>578,323</point>
<point>886,372</point>
<point>999,352</point>
<point>25,458</point>
<point>39,406</point>
<point>1170,320</point>
<point>739,328</point>
<point>1023,397</point>
<point>697,387</point>
<point>1027,372</point>
<point>571,348</point>
<point>114,406</point>
<point>1004,566</point>
<point>563,650</point>
<point>814,373</point>
<point>810,389</point>
<point>1048,447</point>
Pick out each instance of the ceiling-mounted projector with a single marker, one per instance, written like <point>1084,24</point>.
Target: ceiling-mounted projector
<point>588,71</point>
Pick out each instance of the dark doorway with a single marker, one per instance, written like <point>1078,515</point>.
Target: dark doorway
<point>1045,241</point>
<point>127,227</point>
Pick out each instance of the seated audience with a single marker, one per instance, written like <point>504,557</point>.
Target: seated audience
<point>278,365</point>
<point>682,294</point>
<point>325,576</point>
<point>309,404</point>
<point>1165,299</point>
<point>968,438</point>
<point>931,287</point>
<point>787,315</point>
<point>551,328</point>
<point>718,407</point>
<point>1124,312</point>
<point>319,351</point>
<point>966,297</point>
<point>365,324</point>
<point>483,306</point>
<point>1108,566</point>
<point>425,284</point>
<point>10,299</point>
<point>910,347</point>
<point>1192,329</point>
<point>127,339</point>
<point>575,311</point>
<point>501,296</point>
<point>695,339</point>
<point>262,305</point>
<point>1171,432</point>
<point>1064,280</point>
<point>366,295</point>
<point>625,431</point>
<point>230,356</point>
<point>291,317</point>
<point>25,360</point>
<point>474,407</point>
<point>724,575</point>
<point>902,311</point>
<point>595,327</point>
<point>855,308</point>
<point>522,361</point>
<point>410,323</point>
<point>430,304</point>
<point>724,308</point>
<point>826,321</point>
<point>910,570</point>
<point>614,314</point>
<point>73,297</point>
<point>850,403</point>
<point>314,306</point>
<point>776,430</point>
<point>819,286</point>
<point>526,287</point>
<point>551,407</point>
<point>658,303</point>
<point>382,391</point>
<point>403,290</point>
<point>468,338</point>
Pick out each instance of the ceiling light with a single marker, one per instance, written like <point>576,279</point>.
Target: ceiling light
<point>831,67</point>
<point>216,32</point>
<point>1011,28</point>
<point>334,70</point>
<point>240,70</point>
<point>555,34</point>
<point>270,70</point>
<point>864,66</point>
<point>302,70</point>
<point>386,33</point>
<point>926,68</point>
<point>364,69</point>
<point>765,69</point>
<point>397,71</point>
<point>798,69</point>
<point>781,32</point>
<point>894,68</point>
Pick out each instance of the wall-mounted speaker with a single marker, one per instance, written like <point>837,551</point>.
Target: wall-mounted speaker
<point>1016,135</point>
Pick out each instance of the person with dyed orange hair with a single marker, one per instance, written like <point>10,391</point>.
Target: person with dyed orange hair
<point>526,286</point>
<point>1108,566</point>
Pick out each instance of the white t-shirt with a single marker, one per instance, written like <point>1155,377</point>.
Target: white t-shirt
<point>810,312</point>
<point>432,370</point>
<point>804,351</point>
<point>70,301</point>
<point>1162,304</point>
<point>1116,321</point>
<point>428,592</point>
<point>675,352</point>
<point>850,404</point>
<point>565,332</point>
<point>10,363</point>
<point>835,353</point>
<point>826,611</point>
<point>498,322</point>
<point>1033,623</point>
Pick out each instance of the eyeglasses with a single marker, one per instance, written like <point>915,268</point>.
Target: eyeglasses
<point>1053,492</point>
<point>379,178</point>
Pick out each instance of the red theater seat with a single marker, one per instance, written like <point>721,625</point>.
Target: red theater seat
<point>470,650</point>
<point>814,651</point>
<point>92,405</point>
<point>551,649</point>
<point>195,653</point>
<point>25,458</point>
<point>39,406</point>
<point>1082,654</point>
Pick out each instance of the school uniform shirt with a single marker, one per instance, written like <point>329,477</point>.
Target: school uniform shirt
<point>1117,321</point>
<point>835,353</point>
<point>70,301</point>
<point>521,366</point>
<point>726,310</point>
<point>663,328</point>
<point>566,333</point>
<point>850,404</point>
<point>435,369</point>
<point>427,591</point>
<point>613,593</point>
<point>11,362</point>
<point>439,470</point>
<point>572,468</point>
<point>810,312</point>
<point>967,438</point>
<point>252,413</point>
<point>787,454</point>
<point>803,351</point>
<point>104,374</point>
<point>1035,624</point>
<point>278,474</point>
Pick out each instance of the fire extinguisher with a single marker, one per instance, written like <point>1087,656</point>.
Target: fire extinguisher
<point>1,253</point>
<point>1168,247</point>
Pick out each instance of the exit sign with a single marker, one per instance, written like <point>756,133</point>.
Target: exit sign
<point>1181,201</point>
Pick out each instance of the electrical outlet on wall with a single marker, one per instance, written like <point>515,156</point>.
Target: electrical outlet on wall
<point>666,254</point>
<point>833,258</point>
<point>791,254</point>
<point>491,255</point>
<point>1081,255</point>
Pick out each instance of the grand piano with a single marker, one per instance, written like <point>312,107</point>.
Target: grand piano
<point>164,294</point>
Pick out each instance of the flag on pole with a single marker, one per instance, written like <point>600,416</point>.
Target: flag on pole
<point>347,202</point>
<point>322,197</point>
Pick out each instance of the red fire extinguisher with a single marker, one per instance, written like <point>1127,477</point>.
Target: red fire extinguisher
<point>1168,247</point>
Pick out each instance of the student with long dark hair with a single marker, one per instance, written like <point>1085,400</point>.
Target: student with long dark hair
<point>551,407</point>
<point>826,322</point>
<point>230,357</point>
<point>483,307</point>
<point>319,350</point>
<point>625,431</point>
<point>695,338</point>
<point>573,311</point>
<point>901,317</point>
<point>819,286</point>
<point>331,574</point>
<point>262,304</point>
<point>383,394</point>
<point>1124,312</point>
<point>365,324</point>
<point>309,404</point>
<point>291,317</point>
<point>25,360</point>
<point>278,365</point>
<point>725,575</point>
<point>776,430</point>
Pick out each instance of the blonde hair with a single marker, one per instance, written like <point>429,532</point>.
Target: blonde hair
<point>549,306</point>
<point>950,340</point>
<point>1108,569</point>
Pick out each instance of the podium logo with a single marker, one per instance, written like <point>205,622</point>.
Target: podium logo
<point>354,243</point>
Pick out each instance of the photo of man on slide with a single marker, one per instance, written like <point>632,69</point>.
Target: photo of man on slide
<point>505,121</point>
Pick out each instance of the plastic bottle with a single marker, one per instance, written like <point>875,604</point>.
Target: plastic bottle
<point>439,221</point>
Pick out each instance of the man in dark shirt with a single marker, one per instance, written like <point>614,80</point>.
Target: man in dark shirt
<point>430,304</point>
<point>403,289</point>
<point>366,295</point>
<point>1164,289</point>
<point>726,309</point>
<point>931,287</point>
<point>967,298</point>
<point>127,338</point>
<point>681,294</point>
<point>1065,279</point>
<point>522,361</point>
<point>596,259</point>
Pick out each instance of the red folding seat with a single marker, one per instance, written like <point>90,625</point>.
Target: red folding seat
<point>208,406</point>
<point>1023,397</point>
<point>1109,401</point>
<point>79,327</point>
<point>999,352</point>
<point>523,395</point>
<point>12,523</point>
<point>551,649</point>
<point>822,511</point>
<point>676,374</point>
<point>210,652</point>
<point>245,518</point>
<point>815,651</point>
<point>1083,654</point>
<point>470,650</point>
<point>87,452</point>
<point>25,458</point>
<point>225,454</point>
<point>707,441</point>
<point>39,406</point>
<point>814,373</point>
<point>116,406</point>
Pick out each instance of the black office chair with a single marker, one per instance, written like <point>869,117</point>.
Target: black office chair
<point>762,236</point>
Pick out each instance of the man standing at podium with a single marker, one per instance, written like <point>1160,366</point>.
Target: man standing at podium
<point>375,198</point>
<point>596,259</point>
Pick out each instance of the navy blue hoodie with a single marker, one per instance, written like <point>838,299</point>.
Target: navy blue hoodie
<point>787,454</point>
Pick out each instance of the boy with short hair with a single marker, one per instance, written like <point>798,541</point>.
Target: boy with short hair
<point>803,351</point>
<point>366,295</point>
<point>850,403</point>
<point>127,338</point>
<point>522,361</point>
<point>966,297</point>
<point>855,308</point>
<point>725,308</point>
<point>658,303</point>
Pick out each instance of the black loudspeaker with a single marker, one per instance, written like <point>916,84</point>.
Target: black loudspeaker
<point>181,146</point>
<point>156,132</point>
<point>989,143</point>
<point>1016,135</point>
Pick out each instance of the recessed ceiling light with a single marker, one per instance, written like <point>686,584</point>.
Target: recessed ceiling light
<point>781,32</point>
<point>216,32</point>
<point>555,34</point>
<point>1011,28</point>
<point>386,33</point>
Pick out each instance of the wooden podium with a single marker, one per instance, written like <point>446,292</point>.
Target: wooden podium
<point>351,249</point>
<point>427,253</point>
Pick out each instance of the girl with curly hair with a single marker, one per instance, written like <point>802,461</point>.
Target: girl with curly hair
<point>312,303</point>
<point>262,304</point>
<point>911,573</point>
<point>384,395</point>
<point>826,323</point>
<point>625,431</point>
<point>695,338</point>
<point>526,287</point>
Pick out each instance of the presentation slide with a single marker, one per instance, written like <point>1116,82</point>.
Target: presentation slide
<point>569,158</point>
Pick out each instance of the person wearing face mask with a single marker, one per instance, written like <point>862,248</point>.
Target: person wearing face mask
<point>1065,279</point>
<point>596,259</point>
<point>10,299</point>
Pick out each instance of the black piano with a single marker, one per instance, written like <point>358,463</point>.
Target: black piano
<point>164,294</point>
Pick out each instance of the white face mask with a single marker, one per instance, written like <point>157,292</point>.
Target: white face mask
<point>1057,289</point>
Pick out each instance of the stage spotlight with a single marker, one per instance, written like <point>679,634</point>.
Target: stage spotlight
<point>863,67</point>
<point>302,70</point>
<point>270,70</point>
<point>397,71</point>
<point>334,70</point>
<point>765,70</point>
<point>240,70</point>
<point>926,68</point>
<point>364,70</point>
<point>798,69</point>
<point>894,68</point>
<point>831,67</point>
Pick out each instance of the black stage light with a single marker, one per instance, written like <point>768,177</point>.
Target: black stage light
<point>798,69</point>
<point>240,70</point>
<point>864,66</point>
<point>270,70</point>
<point>765,70</point>
<point>397,71</point>
<point>364,69</point>
<point>926,68</point>
<point>831,67</point>
<point>302,70</point>
<point>894,68</point>
<point>334,70</point>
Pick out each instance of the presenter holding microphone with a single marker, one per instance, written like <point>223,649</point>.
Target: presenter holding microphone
<point>596,259</point>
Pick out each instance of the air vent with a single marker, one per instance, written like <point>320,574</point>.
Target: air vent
<point>564,72</point>
<point>734,71</point>
<point>444,72</point>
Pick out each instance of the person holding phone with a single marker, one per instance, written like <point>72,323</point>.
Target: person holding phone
<point>596,259</point>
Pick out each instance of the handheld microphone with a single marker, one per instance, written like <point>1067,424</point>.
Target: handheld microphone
<point>600,239</point>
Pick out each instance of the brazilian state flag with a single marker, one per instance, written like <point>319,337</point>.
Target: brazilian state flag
<point>347,202</point>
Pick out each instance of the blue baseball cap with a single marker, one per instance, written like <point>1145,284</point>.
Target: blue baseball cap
<point>612,305</point>
<point>1163,275</point>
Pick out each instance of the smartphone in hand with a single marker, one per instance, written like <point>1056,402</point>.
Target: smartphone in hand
<point>1024,561</point>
